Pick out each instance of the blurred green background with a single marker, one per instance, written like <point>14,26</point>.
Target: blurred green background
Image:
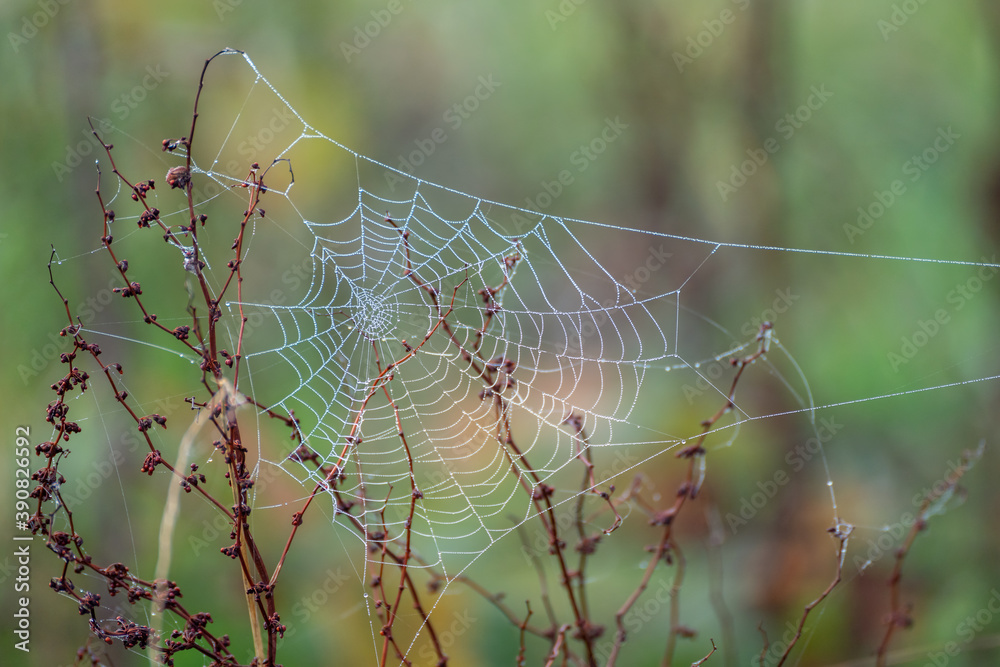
<point>713,149</point>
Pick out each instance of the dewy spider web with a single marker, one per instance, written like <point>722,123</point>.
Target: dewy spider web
<point>410,307</point>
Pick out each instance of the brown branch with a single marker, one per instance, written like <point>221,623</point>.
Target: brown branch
<point>898,617</point>
<point>705,659</point>
<point>841,532</point>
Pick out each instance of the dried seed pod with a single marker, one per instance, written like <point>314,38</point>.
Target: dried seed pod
<point>178,177</point>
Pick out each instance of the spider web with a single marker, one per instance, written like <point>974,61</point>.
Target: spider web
<point>558,337</point>
<point>406,308</point>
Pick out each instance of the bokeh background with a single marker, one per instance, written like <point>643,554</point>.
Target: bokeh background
<point>705,90</point>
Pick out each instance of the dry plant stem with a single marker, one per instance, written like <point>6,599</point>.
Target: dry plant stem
<point>80,344</point>
<point>393,609</point>
<point>210,366</point>
<point>237,459</point>
<point>587,544</point>
<point>766,645</point>
<point>200,339</point>
<point>235,452</point>
<point>122,267</point>
<point>658,553</point>
<point>581,621</point>
<point>541,496</point>
<point>496,599</point>
<point>705,659</point>
<point>245,541</point>
<point>842,532</point>
<point>171,509</point>
<point>543,591</point>
<point>117,575</point>
<point>898,617</point>
<point>380,541</point>
<point>675,607</point>
<point>491,373</point>
<point>524,626</point>
<point>380,602</point>
<point>557,645</point>
<point>238,474</point>
<point>688,490</point>
<point>382,379</point>
<point>213,303</point>
<point>414,495</point>
<point>334,473</point>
